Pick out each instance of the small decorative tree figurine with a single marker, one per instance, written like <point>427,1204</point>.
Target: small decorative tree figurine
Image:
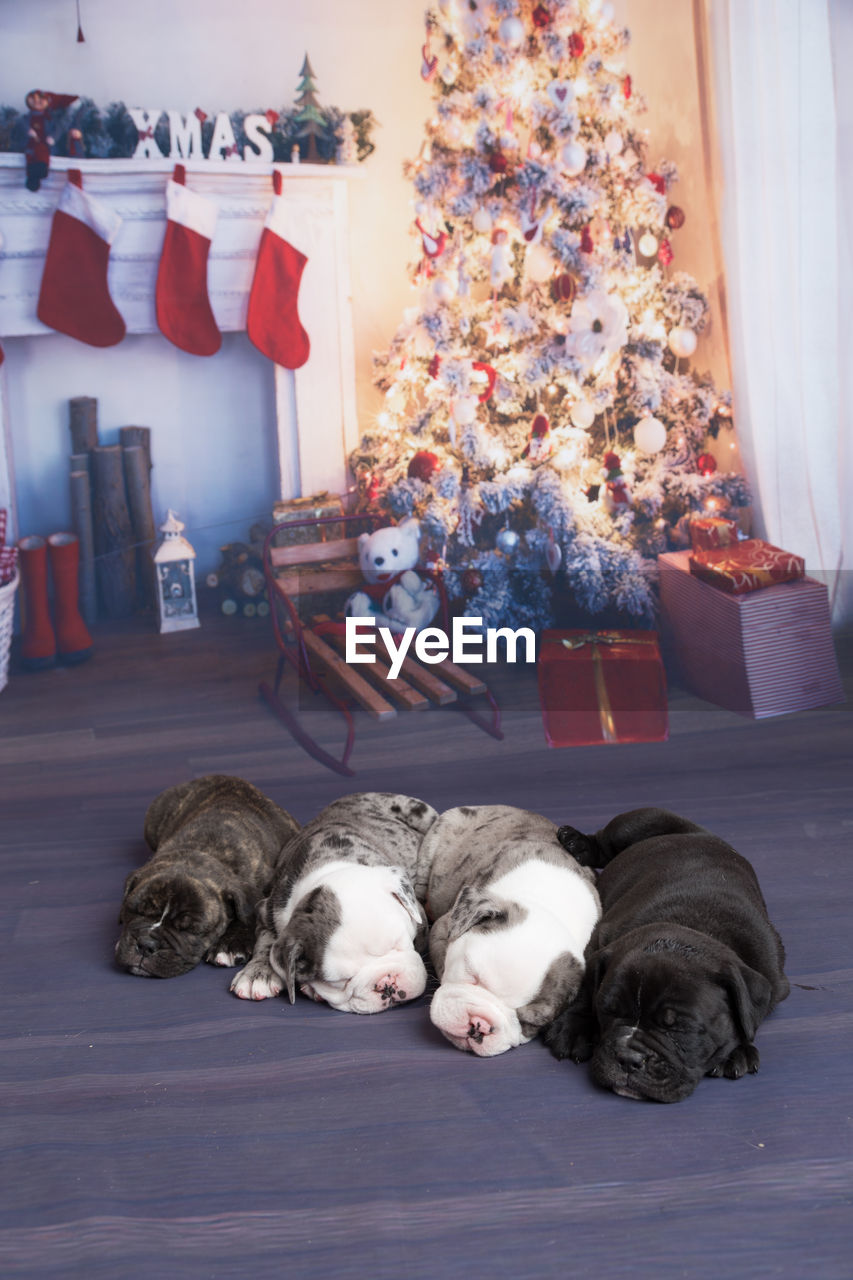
<point>176,598</point>
<point>309,121</point>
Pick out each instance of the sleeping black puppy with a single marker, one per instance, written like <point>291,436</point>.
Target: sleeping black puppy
<point>216,842</point>
<point>681,968</point>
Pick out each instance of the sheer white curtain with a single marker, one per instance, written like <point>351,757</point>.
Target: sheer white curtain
<point>783,101</point>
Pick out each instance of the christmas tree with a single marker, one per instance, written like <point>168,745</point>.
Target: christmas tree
<point>541,418</point>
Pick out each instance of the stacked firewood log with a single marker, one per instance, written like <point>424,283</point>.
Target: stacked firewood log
<point>111,510</point>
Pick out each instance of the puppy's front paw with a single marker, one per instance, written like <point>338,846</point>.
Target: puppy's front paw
<point>741,1061</point>
<point>578,845</point>
<point>225,959</point>
<point>570,1036</point>
<point>258,981</point>
<point>234,947</point>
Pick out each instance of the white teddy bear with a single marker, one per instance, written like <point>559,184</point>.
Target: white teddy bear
<point>393,593</point>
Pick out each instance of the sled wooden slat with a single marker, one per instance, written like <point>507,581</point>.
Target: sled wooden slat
<point>312,582</point>
<point>422,678</point>
<point>312,552</point>
<point>364,693</point>
<point>459,678</point>
<point>380,673</point>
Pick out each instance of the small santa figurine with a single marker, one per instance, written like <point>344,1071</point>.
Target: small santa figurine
<point>616,496</point>
<point>41,106</point>
<point>539,445</point>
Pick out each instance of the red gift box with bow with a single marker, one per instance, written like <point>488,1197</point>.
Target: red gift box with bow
<point>602,686</point>
<point>747,566</point>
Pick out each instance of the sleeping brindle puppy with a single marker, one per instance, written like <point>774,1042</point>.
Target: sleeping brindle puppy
<point>215,843</point>
<point>682,967</point>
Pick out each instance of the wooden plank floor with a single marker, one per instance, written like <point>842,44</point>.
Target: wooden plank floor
<point>166,1129</point>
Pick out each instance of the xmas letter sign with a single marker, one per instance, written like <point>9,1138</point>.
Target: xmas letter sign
<point>185,136</point>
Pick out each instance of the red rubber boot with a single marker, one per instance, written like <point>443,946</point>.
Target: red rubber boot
<point>38,642</point>
<point>72,635</point>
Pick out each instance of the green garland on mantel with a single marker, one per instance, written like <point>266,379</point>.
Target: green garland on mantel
<point>109,133</point>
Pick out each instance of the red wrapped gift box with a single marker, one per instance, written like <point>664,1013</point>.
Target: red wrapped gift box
<point>748,566</point>
<point>760,654</point>
<point>602,686</point>
<point>707,532</point>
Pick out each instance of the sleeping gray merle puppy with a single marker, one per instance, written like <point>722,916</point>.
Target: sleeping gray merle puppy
<point>682,967</point>
<point>343,921</point>
<point>215,843</point>
<point>513,913</point>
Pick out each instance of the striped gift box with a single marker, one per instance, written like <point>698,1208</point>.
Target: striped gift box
<point>761,654</point>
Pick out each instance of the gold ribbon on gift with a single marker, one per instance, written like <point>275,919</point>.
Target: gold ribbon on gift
<point>594,639</point>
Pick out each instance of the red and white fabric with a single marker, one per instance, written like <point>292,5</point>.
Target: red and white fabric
<point>184,313</point>
<point>75,297</point>
<point>273,324</point>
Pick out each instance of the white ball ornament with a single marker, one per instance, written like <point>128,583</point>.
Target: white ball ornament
<point>482,220</point>
<point>682,342</point>
<point>613,142</point>
<point>582,414</point>
<point>507,541</point>
<point>442,289</point>
<point>647,244</point>
<point>573,158</point>
<point>650,434</point>
<point>511,32</point>
<point>538,264</point>
<point>465,410</point>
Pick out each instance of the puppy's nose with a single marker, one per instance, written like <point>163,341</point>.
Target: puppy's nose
<point>388,989</point>
<point>379,560</point>
<point>627,1053</point>
<point>478,1029</point>
<point>146,944</point>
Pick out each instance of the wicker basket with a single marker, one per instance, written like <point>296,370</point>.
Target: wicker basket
<point>7,612</point>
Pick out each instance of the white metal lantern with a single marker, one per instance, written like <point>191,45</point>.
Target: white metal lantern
<point>176,598</point>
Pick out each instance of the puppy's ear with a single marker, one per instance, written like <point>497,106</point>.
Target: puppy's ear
<point>473,909</point>
<point>750,996</point>
<point>404,892</point>
<point>284,957</point>
<point>129,885</point>
<point>559,988</point>
<point>237,904</point>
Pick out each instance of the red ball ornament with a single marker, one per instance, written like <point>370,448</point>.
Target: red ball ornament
<point>498,162</point>
<point>576,44</point>
<point>472,580</point>
<point>564,287</point>
<point>587,245</point>
<point>706,464</point>
<point>674,217</point>
<point>541,16</point>
<point>434,366</point>
<point>664,252</point>
<point>423,465</point>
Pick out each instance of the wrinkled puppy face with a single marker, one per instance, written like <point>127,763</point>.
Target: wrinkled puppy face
<point>664,1023</point>
<point>504,974</point>
<point>350,941</point>
<point>169,923</point>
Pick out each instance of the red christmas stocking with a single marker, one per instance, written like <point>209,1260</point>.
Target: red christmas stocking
<point>273,324</point>
<point>184,315</point>
<point>75,296</point>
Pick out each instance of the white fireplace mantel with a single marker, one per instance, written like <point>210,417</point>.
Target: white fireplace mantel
<point>315,405</point>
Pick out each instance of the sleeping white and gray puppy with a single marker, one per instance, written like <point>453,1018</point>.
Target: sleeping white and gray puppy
<point>343,922</point>
<point>512,915</point>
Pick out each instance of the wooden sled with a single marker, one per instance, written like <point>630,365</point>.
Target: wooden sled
<point>314,647</point>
